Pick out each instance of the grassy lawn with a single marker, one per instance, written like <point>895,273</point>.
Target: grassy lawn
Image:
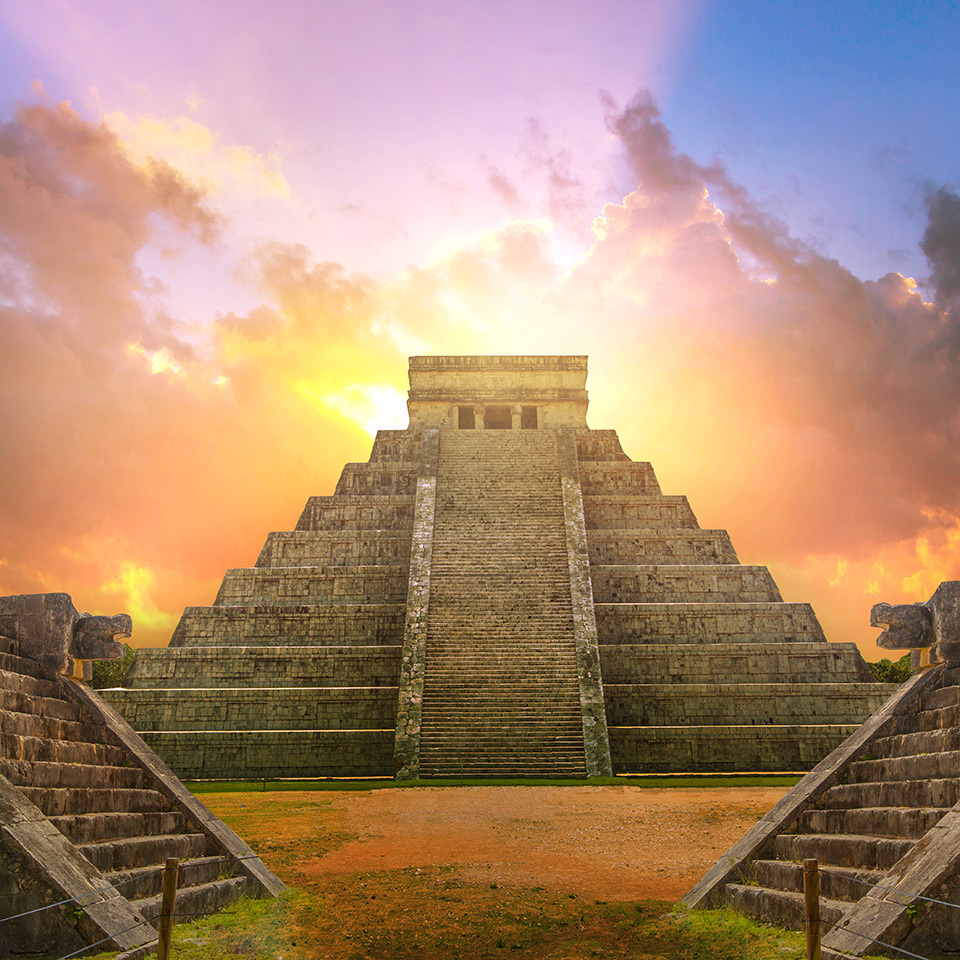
<point>649,781</point>
<point>436,918</point>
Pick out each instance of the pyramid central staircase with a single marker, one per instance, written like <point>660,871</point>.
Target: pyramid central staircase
<point>501,692</point>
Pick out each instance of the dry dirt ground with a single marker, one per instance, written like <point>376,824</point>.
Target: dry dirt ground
<point>476,871</point>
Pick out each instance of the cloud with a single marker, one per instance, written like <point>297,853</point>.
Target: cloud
<point>198,151</point>
<point>135,441</point>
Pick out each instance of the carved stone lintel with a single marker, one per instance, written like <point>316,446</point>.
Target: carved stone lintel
<point>916,626</point>
<point>48,628</point>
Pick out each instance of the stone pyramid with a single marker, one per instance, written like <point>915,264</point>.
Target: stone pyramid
<point>499,590</point>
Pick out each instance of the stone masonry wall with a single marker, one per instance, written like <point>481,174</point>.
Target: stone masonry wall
<point>625,512</point>
<point>331,584</point>
<point>257,709</point>
<point>254,625</point>
<point>730,663</point>
<point>702,623</point>
<point>667,546</point>
<point>682,583</point>
<point>262,666</point>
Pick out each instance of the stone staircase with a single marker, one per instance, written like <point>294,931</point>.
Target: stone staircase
<point>82,778</point>
<point>501,694</point>
<point>862,813</point>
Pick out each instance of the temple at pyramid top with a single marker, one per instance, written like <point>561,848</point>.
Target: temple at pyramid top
<point>499,590</point>
<point>498,393</point>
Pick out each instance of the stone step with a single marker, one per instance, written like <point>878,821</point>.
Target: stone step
<point>836,883</point>
<point>924,741</point>
<point>11,662</point>
<point>904,793</point>
<point>44,773</point>
<point>13,683</point>
<point>63,801</point>
<point>42,707</point>
<point>449,676</point>
<point>111,855</point>
<point>783,907</point>
<point>499,720</point>
<point>909,823</point>
<point>948,696</point>
<point>847,850</point>
<point>933,719</point>
<point>138,883</point>
<point>193,902</point>
<point>928,766</point>
<point>552,769</point>
<point>96,827</point>
<point>17,724</point>
<point>59,751</point>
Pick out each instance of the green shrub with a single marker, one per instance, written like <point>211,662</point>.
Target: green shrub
<point>888,672</point>
<point>110,673</point>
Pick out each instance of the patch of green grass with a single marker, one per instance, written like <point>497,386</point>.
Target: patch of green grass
<point>644,781</point>
<point>254,929</point>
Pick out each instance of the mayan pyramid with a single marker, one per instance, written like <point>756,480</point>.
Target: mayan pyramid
<point>499,590</point>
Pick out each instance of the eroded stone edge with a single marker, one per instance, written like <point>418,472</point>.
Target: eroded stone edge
<point>406,754</point>
<point>596,741</point>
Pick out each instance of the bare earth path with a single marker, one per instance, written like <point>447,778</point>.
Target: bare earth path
<point>603,843</point>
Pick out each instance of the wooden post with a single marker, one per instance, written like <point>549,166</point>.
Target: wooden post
<point>811,907</point>
<point>167,905</point>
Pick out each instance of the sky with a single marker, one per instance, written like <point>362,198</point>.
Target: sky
<point>224,227</point>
